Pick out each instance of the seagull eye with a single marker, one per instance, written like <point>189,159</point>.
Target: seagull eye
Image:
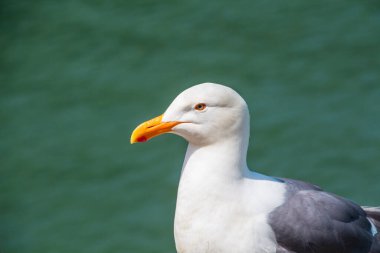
<point>200,106</point>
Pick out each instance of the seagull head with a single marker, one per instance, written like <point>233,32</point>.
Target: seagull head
<point>203,114</point>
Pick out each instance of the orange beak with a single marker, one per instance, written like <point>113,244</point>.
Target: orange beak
<point>152,128</point>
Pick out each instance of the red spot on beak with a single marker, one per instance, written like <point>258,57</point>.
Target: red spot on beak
<point>142,139</point>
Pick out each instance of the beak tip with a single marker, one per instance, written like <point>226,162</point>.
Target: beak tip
<point>151,128</point>
<point>138,139</point>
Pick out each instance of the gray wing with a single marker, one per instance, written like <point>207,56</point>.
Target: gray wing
<point>314,221</point>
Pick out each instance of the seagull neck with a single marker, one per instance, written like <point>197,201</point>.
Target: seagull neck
<point>226,158</point>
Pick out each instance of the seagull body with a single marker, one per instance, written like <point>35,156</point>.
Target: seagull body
<point>224,207</point>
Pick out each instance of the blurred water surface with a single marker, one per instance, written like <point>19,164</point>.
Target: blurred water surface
<point>78,76</point>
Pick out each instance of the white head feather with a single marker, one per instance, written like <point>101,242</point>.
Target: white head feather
<point>225,115</point>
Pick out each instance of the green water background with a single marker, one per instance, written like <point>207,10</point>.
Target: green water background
<point>76,77</point>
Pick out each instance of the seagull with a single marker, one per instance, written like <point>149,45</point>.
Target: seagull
<point>224,207</point>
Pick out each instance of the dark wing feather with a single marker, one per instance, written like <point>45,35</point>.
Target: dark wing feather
<point>373,214</point>
<point>376,244</point>
<point>314,221</point>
